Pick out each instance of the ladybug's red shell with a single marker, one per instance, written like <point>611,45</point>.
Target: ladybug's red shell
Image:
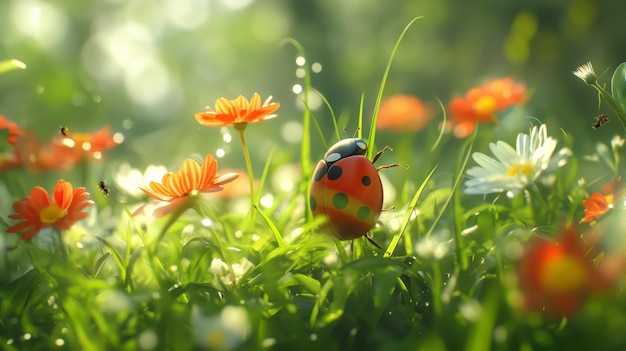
<point>349,193</point>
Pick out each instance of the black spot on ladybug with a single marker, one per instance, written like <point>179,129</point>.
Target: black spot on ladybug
<point>340,201</point>
<point>366,180</point>
<point>319,174</point>
<point>334,172</point>
<point>363,212</point>
<point>313,203</point>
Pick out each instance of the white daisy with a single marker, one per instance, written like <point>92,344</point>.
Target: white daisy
<point>586,73</point>
<point>513,169</point>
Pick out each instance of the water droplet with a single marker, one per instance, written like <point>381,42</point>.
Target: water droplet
<point>313,337</point>
<point>27,336</point>
<point>118,138</point>
<point>316,67</point>
<point>296,89</point>
<point>427,303</point>
<point>300,72</point>
<point>59,342</point>
<point>127,123</point>
<point>219,153</point>
<point>300,60</point>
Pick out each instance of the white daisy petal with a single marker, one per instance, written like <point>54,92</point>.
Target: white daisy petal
<point>513,169</point>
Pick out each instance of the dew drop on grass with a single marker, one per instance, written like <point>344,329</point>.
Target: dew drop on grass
<point>173,268</point>
<point>353,331</point>
<point>64,331</point>
<point>59,342</point>
<point>255,237</point>
<point>313,337</point>
<point>27,336</point>
<point>296,89</point>
<point>427,303</point>
<point>239,234</point>
<point>300,72</point>
<point>80,245</point>
<point>300,60</point>
<point>206,222</point>
<point>10,342</point>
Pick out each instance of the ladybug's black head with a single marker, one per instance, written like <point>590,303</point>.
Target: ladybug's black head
<point>345,148</point>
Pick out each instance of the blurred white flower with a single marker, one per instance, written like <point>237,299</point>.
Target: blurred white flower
<point>513,169</point>
<point>225,331</point>
<point>221,270</point>
<point>129,179</point>
<point>434,246</point>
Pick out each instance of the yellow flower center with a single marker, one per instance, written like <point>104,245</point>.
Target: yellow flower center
<point>519,169</point>
<point>51,214</point>
<point>563,274</point>
<point>485,104</point>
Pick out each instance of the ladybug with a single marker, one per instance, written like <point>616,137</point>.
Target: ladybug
<point>346,188</point>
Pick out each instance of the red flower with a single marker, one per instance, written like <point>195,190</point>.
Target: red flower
<point>481,103</point>
<point>238,111</point>
<point>176,187</point>
<point>13,129</point>
<point>403,113</point>
<point>38,210</point>
<point>558,277</point>
<point>598,205</point>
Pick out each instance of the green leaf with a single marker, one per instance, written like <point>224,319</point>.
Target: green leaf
<point>10,65</point>
<point>618,84</point>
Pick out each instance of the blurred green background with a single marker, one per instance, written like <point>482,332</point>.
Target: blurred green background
<point>146,66</point>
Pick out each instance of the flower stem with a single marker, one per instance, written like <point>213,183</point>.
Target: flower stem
<point>240,127</point>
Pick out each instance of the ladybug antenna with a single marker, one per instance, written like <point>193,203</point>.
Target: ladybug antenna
<point>345,131</point>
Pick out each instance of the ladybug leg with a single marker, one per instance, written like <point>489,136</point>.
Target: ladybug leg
<point>373,242</point>
<point>382,168</point>
<point>380,153</point>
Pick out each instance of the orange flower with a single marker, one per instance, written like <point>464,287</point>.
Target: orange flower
<point>13,129</point>
<point>403,112</point>
<point>179,186</point>
<point>37,211</point>
<point>38,157</point>
<point>238,112</point>
<point>557,277</point>
<point>598,205</point>
<point>481,103</point>
<point>89,145</point>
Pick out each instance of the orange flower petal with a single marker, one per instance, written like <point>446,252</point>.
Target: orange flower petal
<point>239,110</point>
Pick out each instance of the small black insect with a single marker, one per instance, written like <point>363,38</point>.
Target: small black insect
<point>600,121</point>
<point>64,131</point>
<point>102,186</point>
